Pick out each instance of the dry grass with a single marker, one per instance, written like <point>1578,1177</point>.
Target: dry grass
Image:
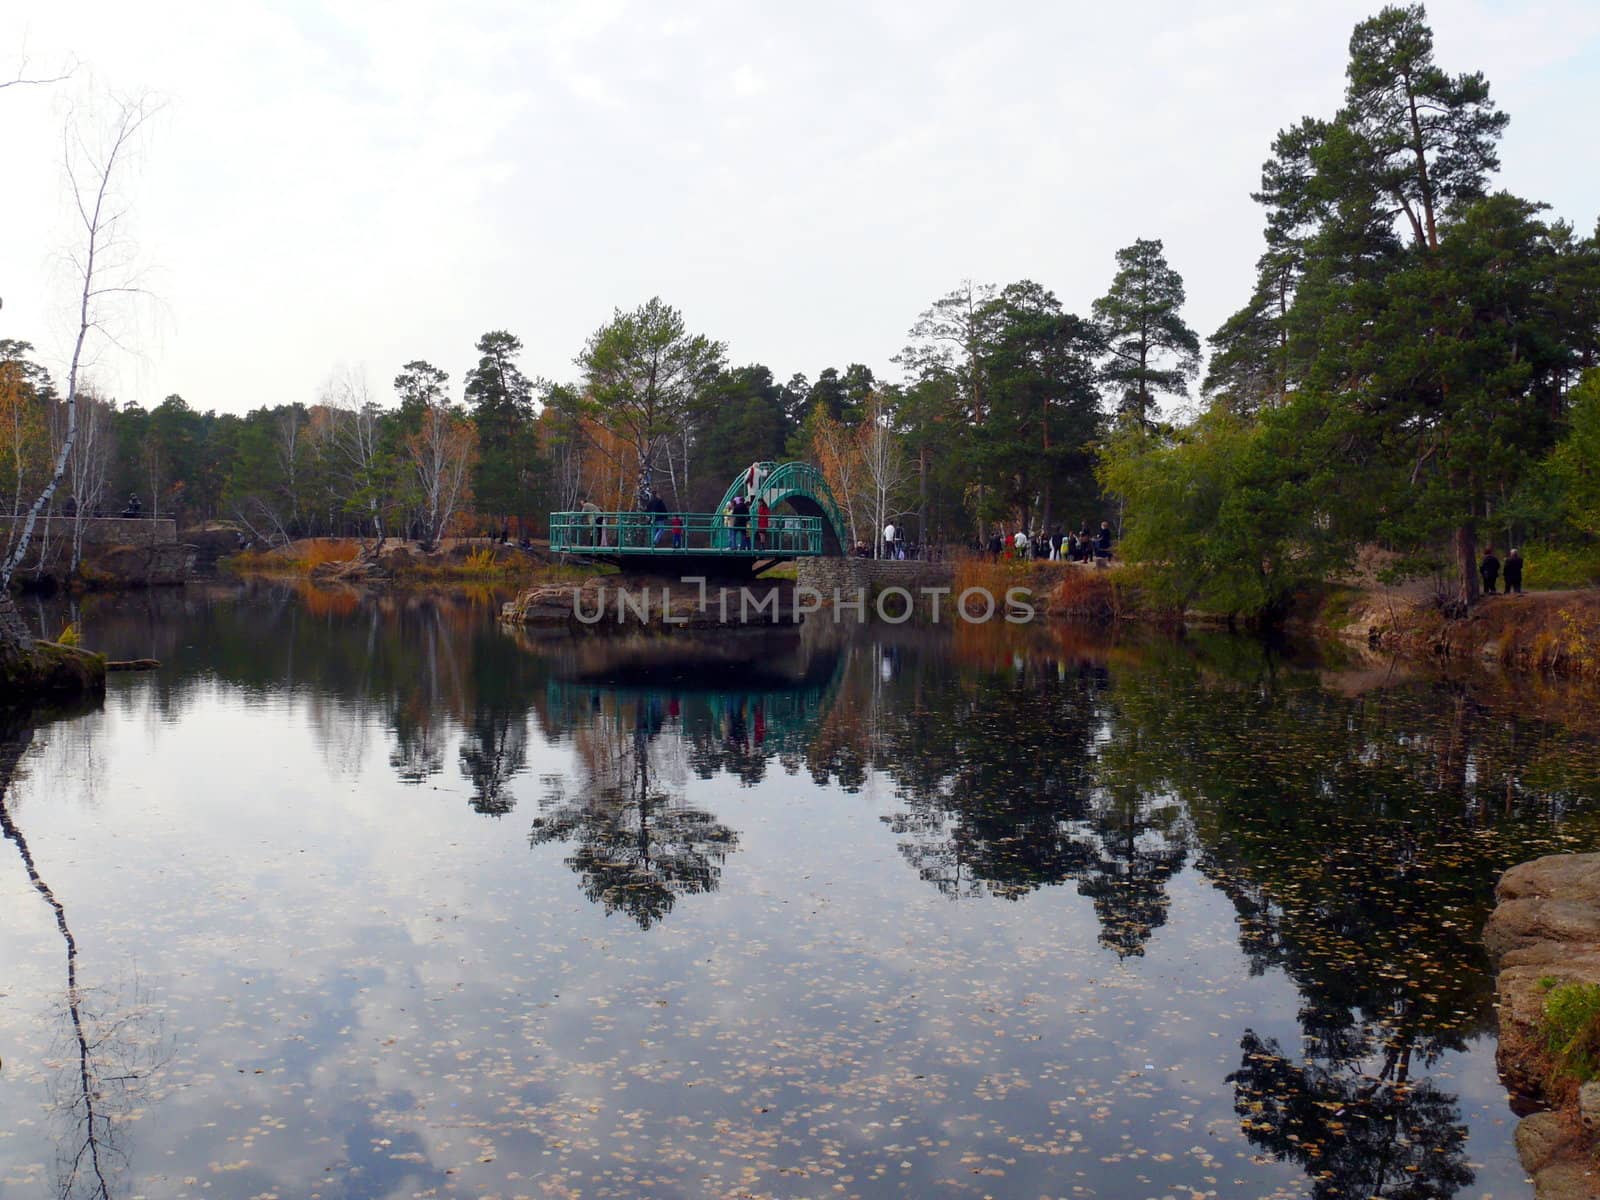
<point>1086,593</point>
<point>297,558</point>
<point>993,577</point>
<point>481,564</point>
<point>1060,589</point>
<point>1555,633</point>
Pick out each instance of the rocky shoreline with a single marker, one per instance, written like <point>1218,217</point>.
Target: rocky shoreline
<point>602,603</point>
<point>35,672</point>
<point>1545,933</point>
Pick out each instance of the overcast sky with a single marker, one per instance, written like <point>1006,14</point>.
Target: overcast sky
<point>373,181</point>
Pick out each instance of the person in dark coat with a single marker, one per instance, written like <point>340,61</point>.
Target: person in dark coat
<point>1513,571</point>
<point>657,508</point>
<point>1489,570</point>
<point>1102,546</point>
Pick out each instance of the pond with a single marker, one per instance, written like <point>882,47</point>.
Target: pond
<point>367,897</point>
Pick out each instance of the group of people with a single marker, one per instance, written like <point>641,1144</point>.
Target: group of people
<point>1082,545</point>
<point>1491,569</point>
<point>740,518</point>
<point>739,515</point>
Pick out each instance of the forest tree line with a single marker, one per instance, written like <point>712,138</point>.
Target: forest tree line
<point>1414,369</point>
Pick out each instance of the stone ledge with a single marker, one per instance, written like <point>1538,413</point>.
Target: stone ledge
<point>1546,926</point>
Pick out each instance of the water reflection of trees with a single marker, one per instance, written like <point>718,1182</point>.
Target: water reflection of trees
<point>108,1044</point>
<point>1356,833</point>
<point>645,716</point>
<point>1002,791</point>
<point>638,844</point>
<point>1358,837</point>
<point>430,668</point>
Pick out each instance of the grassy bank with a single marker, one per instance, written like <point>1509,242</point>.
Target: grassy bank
<point>1556,631</point>
<point>340,560</point>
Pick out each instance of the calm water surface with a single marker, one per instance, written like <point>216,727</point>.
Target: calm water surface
<point>368,898</point>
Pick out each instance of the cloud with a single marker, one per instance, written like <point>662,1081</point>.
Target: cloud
<point>363,181</point>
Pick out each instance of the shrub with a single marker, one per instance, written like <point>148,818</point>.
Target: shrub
<point>315,551</point>
<point>1561,567</point>
<point>481,562</point>
<point>1572,1029</point>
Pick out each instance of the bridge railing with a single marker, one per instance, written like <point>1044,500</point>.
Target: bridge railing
<point>680,533</point>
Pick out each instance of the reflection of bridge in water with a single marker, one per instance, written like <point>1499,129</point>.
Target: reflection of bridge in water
<point>646,713</point>
<point>803,521</point>
<point>762,689</point>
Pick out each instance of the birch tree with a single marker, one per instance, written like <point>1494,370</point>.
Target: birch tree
<point>88,467</point>
<point>885,471</point>
<point>442,452</point>
<point>102,265</point>
<point>357,437</point>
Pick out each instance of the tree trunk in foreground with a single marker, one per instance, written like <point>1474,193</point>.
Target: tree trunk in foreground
<point>1466,547</point>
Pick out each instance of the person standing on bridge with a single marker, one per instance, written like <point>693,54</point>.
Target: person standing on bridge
<point>763,522</point>
<point>657,508</point>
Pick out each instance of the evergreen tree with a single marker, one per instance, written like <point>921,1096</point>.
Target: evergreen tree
<point>742,420</point>
<point>1032,452</point>
<point>1150,351</point>
<point>1424,137</point>
<point>500,398</point>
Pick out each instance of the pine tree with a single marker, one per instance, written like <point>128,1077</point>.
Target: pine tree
<point>1151,351</point>
<point>500,398</point>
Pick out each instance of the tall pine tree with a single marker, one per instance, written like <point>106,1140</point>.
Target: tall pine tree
<point>1150,351</point>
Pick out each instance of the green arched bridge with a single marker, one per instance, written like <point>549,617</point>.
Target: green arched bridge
<point>803,521</point>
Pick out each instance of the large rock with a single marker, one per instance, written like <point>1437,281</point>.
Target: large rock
<point>604,604</point>
<point>1530,921</point>
<point>1545,932</point>
<point>1589,1106</point>
<point>1570,1179</point>
<point>1574,877</point>
<point>44,672</point>
<point>1542,1139</point>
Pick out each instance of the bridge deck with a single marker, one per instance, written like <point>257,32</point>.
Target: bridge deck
<point>614,536</point>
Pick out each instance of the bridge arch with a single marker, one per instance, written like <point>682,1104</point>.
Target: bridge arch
<point>804,488</point>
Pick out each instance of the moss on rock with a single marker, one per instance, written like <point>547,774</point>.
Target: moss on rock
<point>50,673</point>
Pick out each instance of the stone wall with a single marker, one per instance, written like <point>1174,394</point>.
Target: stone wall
<point>1545,932</point>
<point>101,531</point>
<point>118,552</point>
<point>848,581</point>
<point>850,575</point>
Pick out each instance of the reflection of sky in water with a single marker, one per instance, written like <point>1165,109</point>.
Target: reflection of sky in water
<point>358,986</point>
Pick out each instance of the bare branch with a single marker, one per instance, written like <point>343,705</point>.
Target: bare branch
<point>23,79</point>
<point>79,161</point>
